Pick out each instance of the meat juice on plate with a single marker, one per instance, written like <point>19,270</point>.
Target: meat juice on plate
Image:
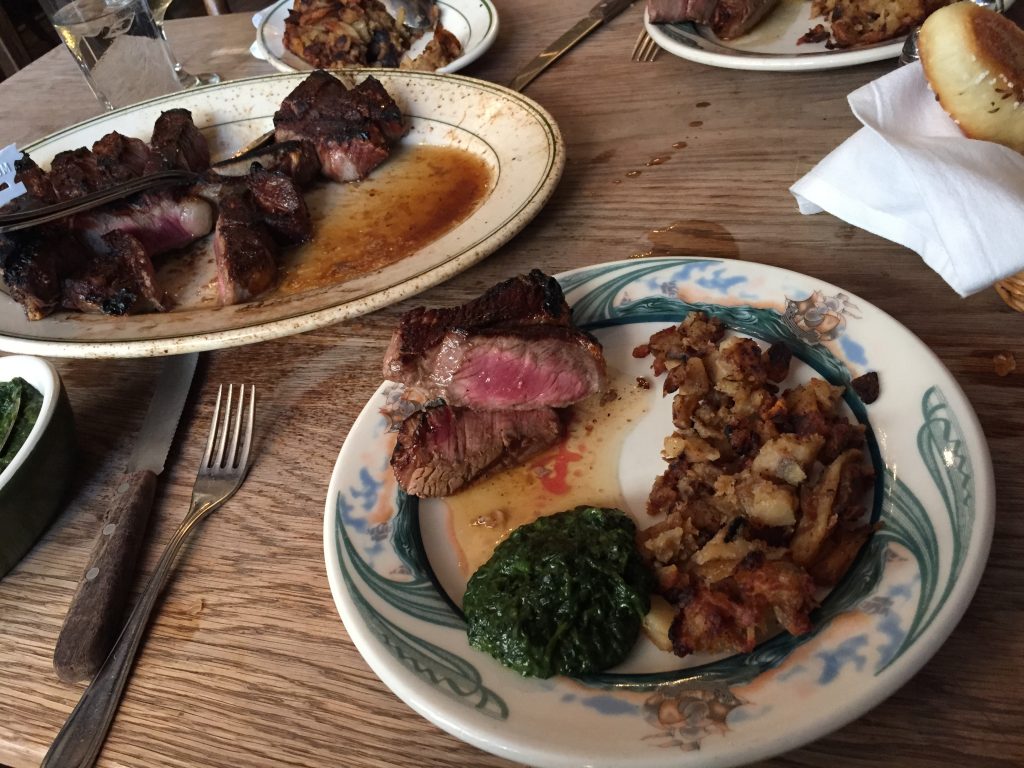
<point>421,193</point>
<point>581,469</point>
<point>119,49</point>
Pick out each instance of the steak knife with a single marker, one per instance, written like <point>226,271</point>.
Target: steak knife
<point>599,14</point>
<point>94,617</point>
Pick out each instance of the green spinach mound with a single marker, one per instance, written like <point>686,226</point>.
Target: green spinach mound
<point>565,594</point>
<point>20,404</point>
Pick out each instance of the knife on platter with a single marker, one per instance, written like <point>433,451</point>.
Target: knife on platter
<point>94,617</point>
<point>599,14</point>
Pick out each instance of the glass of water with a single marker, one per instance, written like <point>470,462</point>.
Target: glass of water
<point>188,80</point>
<point>118,47</point>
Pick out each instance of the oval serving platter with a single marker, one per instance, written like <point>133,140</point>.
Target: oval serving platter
<point>473,22</point>
<point>934,499</point>
<point>517,140</point>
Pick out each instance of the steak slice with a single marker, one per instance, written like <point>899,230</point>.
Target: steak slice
<point>514,347</point>
<point>163,221</point>
<point>516,368</point>
<point>531,299</point>
<point>443,449</point>
<point>38,188</point>
<point>245,251</point>
<point>75,173</point>
<point>120,158</point>
<point>281,204</point>
<point>118,280</point>
<point>177,143</point>
<point>352,130</point>
<point>34,262</point>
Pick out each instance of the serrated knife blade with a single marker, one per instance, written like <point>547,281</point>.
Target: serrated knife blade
<point>94,616</point>
<point>161,422</point>
<point>598,15</point>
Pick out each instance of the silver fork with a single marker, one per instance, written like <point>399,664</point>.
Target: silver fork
<point>221,472</point>
<point>645,49</point>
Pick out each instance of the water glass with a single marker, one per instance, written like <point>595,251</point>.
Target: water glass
<point>118,47</point>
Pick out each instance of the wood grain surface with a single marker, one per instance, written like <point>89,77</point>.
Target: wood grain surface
<point>247,663</point>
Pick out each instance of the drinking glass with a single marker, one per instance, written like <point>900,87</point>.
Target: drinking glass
<point>118,47</point>
<point>188,80</point>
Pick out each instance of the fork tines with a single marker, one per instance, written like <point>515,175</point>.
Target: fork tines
<point>645,49</point>
<point>221,426</point>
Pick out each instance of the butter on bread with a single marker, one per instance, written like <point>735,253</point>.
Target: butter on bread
<point>974,61</point>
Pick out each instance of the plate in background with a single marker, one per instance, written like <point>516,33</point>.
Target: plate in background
<point>770,46</point>
<point>473,22</point>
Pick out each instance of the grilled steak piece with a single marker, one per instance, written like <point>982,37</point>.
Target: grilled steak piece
<point>371,101</point>
<point>699,11</point>
<point>245,250</point>
<point>120,158</point>
<point>34,265</point>
<point>118,280</point>
<point>75,173</point>
<point>296,159</point>
<point>728,19</point>
<point>280,204</point>
<point>734,18</point>
<point>177,143</point>
<point>442,449</point>
<point>352,130</point>
<point>509,368</point>
<point>514,347</point>
<point>162,220</point>
<point>531,299</point>
<point>38,188</point>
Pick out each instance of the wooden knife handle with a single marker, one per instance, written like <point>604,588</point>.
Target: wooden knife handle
<point>94,617</point>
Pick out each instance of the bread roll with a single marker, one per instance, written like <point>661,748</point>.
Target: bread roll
<point>974,61</point>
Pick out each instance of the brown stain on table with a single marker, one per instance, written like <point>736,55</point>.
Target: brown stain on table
<point>691,238</point>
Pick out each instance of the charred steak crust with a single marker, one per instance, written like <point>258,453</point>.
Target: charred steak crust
<point>281,204</point>
<point>245,251</point>
<point>531,299</point>
<point>443,449</point>
<point>351,130</point>
<point>177,143</point>
<point>116,281</point>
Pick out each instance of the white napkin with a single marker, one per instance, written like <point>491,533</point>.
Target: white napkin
<point>910,176</point>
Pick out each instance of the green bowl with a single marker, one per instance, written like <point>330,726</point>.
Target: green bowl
<point>32,487</point>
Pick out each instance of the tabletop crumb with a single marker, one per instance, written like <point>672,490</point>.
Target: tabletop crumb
<point>642,382</point>
<point>1004,363</point>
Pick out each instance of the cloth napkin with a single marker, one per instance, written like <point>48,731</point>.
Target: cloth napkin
<point>910,176</point>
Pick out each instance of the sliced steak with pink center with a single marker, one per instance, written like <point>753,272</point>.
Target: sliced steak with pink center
<point>517,368</point>
<point>531,299</point>
<point>442,449</point>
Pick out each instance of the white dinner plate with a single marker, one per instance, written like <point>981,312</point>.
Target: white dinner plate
<point>473,22</point>
<point>515,138</point>
<point>770,46</point>
<point>904,594</point>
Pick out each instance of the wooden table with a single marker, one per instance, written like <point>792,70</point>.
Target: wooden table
<point>246,662</point>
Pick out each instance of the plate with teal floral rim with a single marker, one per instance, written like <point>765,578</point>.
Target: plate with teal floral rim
<point>510,137</point>
<point>770,46</point>
<point>473,22</point>
<point>389,558</point>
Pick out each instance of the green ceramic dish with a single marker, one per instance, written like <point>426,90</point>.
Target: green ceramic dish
<point>32,487</point>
